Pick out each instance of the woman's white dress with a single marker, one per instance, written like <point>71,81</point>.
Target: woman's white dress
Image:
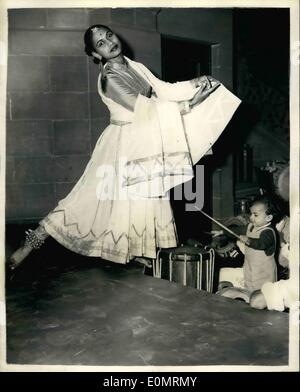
<point>119,208</point>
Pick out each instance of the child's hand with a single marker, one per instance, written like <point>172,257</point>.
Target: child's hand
<point>244,239</point>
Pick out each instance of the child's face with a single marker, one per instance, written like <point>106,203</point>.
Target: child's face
<point>258,215</point>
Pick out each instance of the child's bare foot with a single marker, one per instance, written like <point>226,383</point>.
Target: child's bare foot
<point>145,261</point>
<point>235,293</point>
<point>19,255</point>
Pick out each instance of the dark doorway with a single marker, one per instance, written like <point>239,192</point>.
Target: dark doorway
<point>184,59</point>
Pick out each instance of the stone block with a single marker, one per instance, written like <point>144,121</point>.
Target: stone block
<point>139,43</point>
<point>29,201</point>
<point>93,76</point>
<point>50,43</point>
<point>29,170</point>
<point>223,25</point>
<point>49,106</point>
<point>97,127</point>
<point>29,138</point>
<point>98,108</point>
<point>145,18</point>
<point>99,16</point>
<point>68,73</point>
<point>152,62</point>
<point>71,137</point>
<point>68,18</point>
<point>30,18</point>
<point>28,73</point>
<point>62,189</point>
<point>123,16</point>
<point>207,25</point>
<point>69,168</point>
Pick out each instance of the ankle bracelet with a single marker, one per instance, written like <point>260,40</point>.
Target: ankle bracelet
<point>33,240</point>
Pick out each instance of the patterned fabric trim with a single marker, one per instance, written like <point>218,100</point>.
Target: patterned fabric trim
<point>158,165</point>
<point>89,247</point>
<point>183,154</point>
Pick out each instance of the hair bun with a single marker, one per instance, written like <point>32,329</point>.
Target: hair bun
<point>88,51</point>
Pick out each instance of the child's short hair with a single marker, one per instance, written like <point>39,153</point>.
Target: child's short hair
<point>271,208</point>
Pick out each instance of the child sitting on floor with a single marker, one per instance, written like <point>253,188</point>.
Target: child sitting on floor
<point>283,294</point>
<point>258,246</point>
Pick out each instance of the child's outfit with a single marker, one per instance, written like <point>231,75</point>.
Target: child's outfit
<point>260,265</point>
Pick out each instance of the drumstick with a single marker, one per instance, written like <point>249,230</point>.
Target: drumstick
<point>220,224</point>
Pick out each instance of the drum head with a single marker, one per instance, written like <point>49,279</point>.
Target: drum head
<point>183,252</point>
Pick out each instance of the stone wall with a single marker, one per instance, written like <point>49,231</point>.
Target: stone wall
<point>54,113</point>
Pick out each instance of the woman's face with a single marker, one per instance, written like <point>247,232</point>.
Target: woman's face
<point>106,43</point>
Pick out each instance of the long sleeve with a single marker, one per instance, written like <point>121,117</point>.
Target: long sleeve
<point>264,242</point>
<point>116,89</point>
<point>124,90</point>
<point>179,91</point>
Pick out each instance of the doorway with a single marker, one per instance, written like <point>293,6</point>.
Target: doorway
<point>184,59</point>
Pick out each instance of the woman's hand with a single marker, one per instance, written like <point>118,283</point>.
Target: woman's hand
<point>202,94</point>
<point>204,81</point>
<point>207,81</point>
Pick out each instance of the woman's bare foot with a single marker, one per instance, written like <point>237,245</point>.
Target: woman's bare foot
<point>145,261</point>
<point>19,256</point>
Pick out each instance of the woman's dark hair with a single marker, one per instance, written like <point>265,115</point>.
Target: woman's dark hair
<point>88,41</point>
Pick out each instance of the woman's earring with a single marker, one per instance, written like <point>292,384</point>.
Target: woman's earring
<point>100,66</point>
<point>97,56</point>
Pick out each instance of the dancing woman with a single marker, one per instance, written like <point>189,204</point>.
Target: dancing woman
<point>118,210</point>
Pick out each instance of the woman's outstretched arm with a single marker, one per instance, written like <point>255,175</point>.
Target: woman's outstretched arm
<point>121,92</point>
<point>178,91</point>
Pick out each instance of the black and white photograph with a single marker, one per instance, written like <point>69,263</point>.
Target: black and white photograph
<point>149,186</point>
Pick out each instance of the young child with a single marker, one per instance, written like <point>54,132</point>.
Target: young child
<point>260,245</point>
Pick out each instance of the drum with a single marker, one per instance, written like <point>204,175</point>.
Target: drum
<point>187,265</point>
